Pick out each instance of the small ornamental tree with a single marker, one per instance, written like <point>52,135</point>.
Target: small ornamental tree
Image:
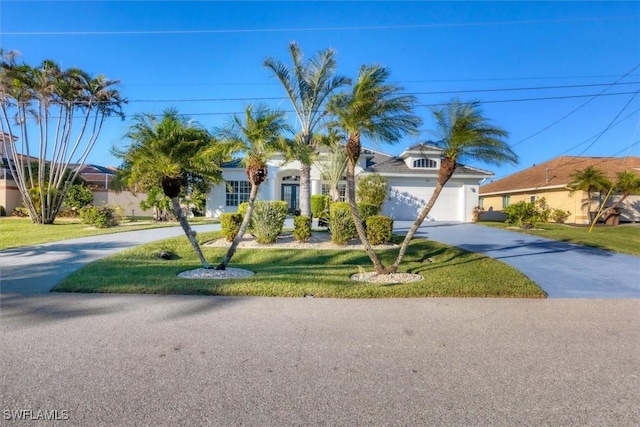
<point>372,189</point>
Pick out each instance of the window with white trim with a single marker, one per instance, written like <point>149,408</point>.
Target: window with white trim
<point>424,163</point>
<point>342,191</point>
<point>237,192</point>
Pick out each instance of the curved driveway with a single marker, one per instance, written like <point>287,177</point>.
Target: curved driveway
<point>563,270</point>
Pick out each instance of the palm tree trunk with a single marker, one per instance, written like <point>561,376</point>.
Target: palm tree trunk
<point>305,190</point>
<point>243,229</point>
<point>191,235</point>
<point>444,174</point>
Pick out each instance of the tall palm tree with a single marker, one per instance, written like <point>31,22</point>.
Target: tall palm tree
<point>258,137</point>
<point>589,179</point>
<point>174,153</point>
<point>377,110</point>
<point>308,86</point>
<point>46,103</point>
<point>464,133</point>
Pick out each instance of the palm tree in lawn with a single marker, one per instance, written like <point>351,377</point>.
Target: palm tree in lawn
<point>333,168</point>
<point>258,137</point>
<point>464,134</point>
<point>628,183</point>
<point>308,86</point>
<point>175,154</point>
<point>377,110</point>
<point>589,179</point>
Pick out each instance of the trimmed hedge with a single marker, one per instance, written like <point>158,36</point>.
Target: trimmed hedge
<point>341,224</point>
<point>302,228</point>
<point>230,225</point>
<point>318,205</point>
<point>366,210</point>
<point>379,229</point>
<point>268,219</point>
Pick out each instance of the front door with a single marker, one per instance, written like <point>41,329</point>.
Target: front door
<point>290,194</point>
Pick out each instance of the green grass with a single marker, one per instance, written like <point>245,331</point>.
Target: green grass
<point>16,232</point>
<point>623,238</point>
<point>294,273</point>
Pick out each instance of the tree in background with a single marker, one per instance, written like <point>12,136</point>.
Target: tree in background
<point>258,136</point>
<point>175,154</point>
<point>308,86</point>
<point>377,110</point>
<point>589,180</point>
<point>53,116</point>
<point>464,133</point>
<point>372,189</point>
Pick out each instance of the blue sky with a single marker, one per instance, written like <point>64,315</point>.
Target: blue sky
<point>206,59</point>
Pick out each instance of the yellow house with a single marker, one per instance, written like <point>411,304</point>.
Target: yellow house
<point>550,179</point>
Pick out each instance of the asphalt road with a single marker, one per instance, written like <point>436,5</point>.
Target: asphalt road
<point>137,360</point>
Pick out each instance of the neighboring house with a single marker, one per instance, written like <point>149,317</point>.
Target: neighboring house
<point>550,180</point>
<point>412,178</point>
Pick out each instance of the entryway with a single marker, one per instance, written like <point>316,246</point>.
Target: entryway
<point>290,194</point>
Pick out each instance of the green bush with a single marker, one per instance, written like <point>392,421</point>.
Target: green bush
<point>302,228</point>
<point>78,197</point>
<point>527,214</point>
<point>242,208</point>
<point>372,189</point>
<point>99,217</point>
<point>559,215</point>
<point>379,229</point>
<point>20,212</point>
<point>341,224</point>
<point>268,219</point>
<point>318,205</point>
<point>230,225</point>
<point>366,210</point>
<point>3,211</point>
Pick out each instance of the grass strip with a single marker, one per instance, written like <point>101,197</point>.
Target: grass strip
<point>452,272</point>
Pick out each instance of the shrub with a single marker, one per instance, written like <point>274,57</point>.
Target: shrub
<point>379,229</point>
<point>366,210</point>
<point>268,219</point>
<point>302,228</point>
<point>230,225</point>
<point>372,189</point>
<point>341,224</point>
<point>527,214</point>
<point>78,197</point>
<point>3,211</point>
<point>20,212</point>
<point>559,215</point>
<point>100,217</point>
<point>318,205</point>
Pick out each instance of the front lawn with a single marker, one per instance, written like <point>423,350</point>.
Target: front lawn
<point>622,238</point>
<point>16,232</point>
<point>453,272</point>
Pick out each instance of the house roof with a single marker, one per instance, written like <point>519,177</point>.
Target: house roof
<point>557,173</point>
<point>397,166</point>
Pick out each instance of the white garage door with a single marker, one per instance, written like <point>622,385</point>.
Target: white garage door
<point>406,199</point>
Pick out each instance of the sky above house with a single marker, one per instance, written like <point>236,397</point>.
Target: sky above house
<point>561,77</point>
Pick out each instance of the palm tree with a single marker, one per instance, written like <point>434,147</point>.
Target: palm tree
<point>259,136</point>
<point>464,133</point>
<point>589,179</point>
<point>333,168</point>
<point>45,103</point>
<point>627,183</point>
<point>174,153</point>
<point>308,86</point>
<point>377,110</point>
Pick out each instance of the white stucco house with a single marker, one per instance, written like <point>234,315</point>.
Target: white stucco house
<point>412,178</point>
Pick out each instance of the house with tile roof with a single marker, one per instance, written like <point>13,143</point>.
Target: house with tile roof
<point>550,180</point>
<point>412,177</point>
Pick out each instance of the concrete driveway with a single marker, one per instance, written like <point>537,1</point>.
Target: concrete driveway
<point>562,269</point>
